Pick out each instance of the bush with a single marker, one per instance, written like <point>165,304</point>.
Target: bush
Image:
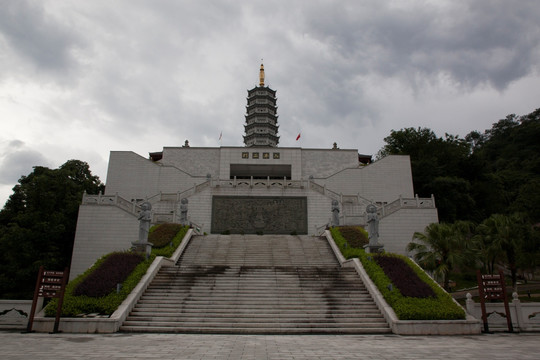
<point>167,251</point>
<point>402,276</point>
<point>114,270</point>
<point>105,305</point>
<point>440,307</point>
<point>163,234</point>
<point>356,236</point>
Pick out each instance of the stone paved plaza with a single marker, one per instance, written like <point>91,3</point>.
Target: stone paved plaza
<point>506,346</point>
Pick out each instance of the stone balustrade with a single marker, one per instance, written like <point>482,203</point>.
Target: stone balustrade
<point>524,316</point>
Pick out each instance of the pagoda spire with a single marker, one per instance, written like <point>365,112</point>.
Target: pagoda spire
<point>261,126</point>
<point>261,76</point>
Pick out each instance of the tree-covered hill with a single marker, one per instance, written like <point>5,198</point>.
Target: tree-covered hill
<point>497,171</point>
<point>37,224</point>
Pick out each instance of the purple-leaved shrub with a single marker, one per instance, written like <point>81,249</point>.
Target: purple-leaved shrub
<point>403,277</point>
<point>114,270</point>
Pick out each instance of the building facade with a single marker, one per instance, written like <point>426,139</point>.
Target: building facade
<point>259,188</point>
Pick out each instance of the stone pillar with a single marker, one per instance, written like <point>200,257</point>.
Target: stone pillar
<point>521,321</point>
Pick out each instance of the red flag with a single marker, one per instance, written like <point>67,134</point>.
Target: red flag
<point>298,137</point>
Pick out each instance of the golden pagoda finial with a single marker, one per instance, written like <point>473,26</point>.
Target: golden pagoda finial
<point>261,76</point>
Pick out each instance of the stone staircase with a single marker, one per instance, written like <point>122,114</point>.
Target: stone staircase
<point>257,284</point>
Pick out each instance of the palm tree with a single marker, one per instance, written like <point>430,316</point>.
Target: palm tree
<point>442,247</point>
<point>500,237</point>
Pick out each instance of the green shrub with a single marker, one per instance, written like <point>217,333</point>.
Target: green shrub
<point>163,234</point>
<point>106,305</point>
<point>356,236</point>
<point>167,251</point>
<point>440,307</point>
<point>112,271</point>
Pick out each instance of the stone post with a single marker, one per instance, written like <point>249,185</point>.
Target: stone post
<point>469,305</point>
<point>522,323</point>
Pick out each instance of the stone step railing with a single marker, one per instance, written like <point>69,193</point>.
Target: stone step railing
<point>524,316</point>
<point>112,200</point>
<point>407,203</point>
<point>260,183</point>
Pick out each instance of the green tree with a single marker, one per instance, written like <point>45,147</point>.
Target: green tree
<point>442,247</point>
<point>507,167</point>
<point>438,168</point>
<point>37,224</point>
<point>501,238</point>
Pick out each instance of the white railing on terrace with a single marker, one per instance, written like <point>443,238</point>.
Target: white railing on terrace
<point>260,183</point>
<point>352,206</point>
<point>407,203</point>
<point>113,200</point>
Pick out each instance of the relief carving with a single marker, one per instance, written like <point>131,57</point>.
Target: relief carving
<point>267,215</point>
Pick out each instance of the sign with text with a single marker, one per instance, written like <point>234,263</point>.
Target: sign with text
<point>491,288</point>
<point>50,284</point>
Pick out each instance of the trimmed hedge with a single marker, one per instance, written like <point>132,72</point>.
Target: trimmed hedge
<point>105,305</point>
<point>163,234</point>
<point>356,236</point>
<point>114,270</point>
<point>173,242</point>
<point>440,307</point>
<point>403,276</point>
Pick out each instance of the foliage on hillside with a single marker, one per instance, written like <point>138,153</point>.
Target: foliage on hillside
<point>37,224</point>
<point>497,171</point>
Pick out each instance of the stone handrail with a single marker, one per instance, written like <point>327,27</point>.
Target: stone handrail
<point>112,200</point>
<point>255,183</point>
<point>524,316</point>
<point>407,203</point>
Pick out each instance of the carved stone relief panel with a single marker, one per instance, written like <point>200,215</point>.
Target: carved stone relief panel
<point>259,214</point>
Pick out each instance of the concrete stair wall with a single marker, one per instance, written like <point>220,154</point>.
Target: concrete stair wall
<point>257,284</point>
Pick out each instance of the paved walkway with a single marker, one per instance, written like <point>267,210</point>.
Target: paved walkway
<point>33,346</point>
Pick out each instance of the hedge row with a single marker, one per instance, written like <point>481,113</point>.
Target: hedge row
<point>440,307</point>
<point>105,305</point>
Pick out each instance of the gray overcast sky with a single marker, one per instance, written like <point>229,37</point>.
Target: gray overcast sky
<point>81,78</point>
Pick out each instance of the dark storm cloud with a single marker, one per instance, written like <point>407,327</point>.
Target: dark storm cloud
<point>17,161</point>
<point>35,36</point>
<point>475,42</point>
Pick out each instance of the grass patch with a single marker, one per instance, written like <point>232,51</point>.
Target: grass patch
<point>439,307</point>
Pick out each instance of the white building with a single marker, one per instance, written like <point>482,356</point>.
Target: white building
<point>259,188</point>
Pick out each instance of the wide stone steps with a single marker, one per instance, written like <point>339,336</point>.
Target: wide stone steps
<point>258,250</point>
<point>217,293</point>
